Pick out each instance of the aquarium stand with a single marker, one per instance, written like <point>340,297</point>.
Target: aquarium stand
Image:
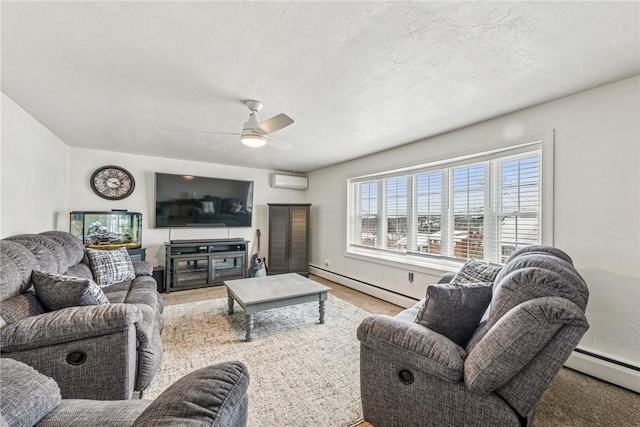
<point>193,264</point>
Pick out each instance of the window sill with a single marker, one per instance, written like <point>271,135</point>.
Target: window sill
<point>404,261</point>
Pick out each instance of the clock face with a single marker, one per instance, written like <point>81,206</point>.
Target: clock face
<point>112,182</point>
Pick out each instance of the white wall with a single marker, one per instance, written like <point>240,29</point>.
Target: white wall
<point>81,198</point>
<point>34,169</point>
<point>596,204</point>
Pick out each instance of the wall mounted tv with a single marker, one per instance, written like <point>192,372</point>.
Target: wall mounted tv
<point>196,201</point>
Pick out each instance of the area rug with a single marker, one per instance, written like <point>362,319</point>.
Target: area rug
<point>302,373</point>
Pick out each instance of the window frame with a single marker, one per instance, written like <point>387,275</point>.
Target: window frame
<point>429,263</point>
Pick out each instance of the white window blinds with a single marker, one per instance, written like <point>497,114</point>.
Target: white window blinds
<point>483,207</point>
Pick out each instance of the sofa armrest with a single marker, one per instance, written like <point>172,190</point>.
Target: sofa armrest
<point>67,325</point>
<point>142,268</point>
<point>414,344</point>
<point>446,278</point>
<point>211,396</point>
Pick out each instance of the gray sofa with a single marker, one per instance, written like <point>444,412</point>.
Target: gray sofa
<point>93,352</point>
<point>413,376</point>
<point>212,396</point>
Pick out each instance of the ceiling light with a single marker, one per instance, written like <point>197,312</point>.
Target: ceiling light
<point>253,140</point>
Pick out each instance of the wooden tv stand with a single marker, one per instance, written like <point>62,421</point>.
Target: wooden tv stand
<point>193,264</point>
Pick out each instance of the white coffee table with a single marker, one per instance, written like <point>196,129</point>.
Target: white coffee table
<point>264,293</point>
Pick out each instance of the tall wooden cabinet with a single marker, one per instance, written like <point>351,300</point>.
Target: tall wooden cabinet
<point>289,238</point>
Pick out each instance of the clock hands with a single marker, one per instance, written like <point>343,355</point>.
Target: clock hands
<point>113,182</point>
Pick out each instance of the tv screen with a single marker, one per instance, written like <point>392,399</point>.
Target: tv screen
<point>196,201</point>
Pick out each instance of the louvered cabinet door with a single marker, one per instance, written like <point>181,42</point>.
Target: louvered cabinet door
<point>278,239</point>
<point>288,238</point>
<point>299,239</point>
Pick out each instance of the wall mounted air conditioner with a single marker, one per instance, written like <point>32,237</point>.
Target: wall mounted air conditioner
<point>292,182</point>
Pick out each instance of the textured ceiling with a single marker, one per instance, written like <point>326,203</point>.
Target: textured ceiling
<point>357,77</point>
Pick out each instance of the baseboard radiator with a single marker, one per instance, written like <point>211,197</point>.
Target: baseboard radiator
<point>599,366</point>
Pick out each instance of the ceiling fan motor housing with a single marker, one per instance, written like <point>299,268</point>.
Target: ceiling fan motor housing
<point>253,105</point>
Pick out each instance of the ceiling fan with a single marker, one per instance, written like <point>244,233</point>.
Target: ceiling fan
<point>255,133</point>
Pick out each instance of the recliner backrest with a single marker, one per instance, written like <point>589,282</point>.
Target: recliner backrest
<point>536,318</point>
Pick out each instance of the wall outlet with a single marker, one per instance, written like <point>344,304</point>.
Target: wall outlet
<point>410,277</point>
<point>327,262</point>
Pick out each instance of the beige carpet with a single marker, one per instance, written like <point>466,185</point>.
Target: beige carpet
<point>302,373</point>
<point>572,400</point>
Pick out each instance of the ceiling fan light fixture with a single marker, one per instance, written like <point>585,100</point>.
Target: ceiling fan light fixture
<point>253,140</point>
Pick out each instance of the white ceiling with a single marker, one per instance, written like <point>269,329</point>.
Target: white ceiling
<point>357,77</point>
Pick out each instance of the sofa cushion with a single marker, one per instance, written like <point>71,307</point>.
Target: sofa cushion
<point>56,291</point>
<point>474,271</point>
<point>142,268</point>
<point>110,267</point>
<point>575,287</point>
<point>541,250</point>
<point>70,244</point>
<point>27,395</point>
<point>528,283</point>
<point>80,270</point>
<point>16,263</point>
<point>51,256</point>
<point>454,311</point>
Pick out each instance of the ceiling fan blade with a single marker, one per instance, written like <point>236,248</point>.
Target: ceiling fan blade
<point>276,143</point>
<point>274,124</point>
<point>218,133</point>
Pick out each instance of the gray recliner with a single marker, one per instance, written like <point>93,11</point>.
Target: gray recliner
<point>413,376</point>
<point>214,396</point>
<point>93,352</point>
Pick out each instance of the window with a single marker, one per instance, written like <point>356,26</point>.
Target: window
<point>482,207</point>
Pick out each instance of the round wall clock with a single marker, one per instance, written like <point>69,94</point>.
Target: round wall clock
<point>112,182</point>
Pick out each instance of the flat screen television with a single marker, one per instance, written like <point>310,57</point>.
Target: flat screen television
<point>197,201</point>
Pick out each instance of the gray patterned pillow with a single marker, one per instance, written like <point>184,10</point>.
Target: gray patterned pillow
<point>454,311</point>
<point>474,271</point>
<point>110,267</point>
<point>56,291</point>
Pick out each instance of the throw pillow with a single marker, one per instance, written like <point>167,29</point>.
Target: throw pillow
<point>454,311</point>
<point>474,271</point>
<point>27,395</point>
<point>110,267</point>
<point>55,291</point>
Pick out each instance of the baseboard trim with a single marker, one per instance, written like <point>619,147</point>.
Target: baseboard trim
<point>605,368</point>
<point>364,287</point>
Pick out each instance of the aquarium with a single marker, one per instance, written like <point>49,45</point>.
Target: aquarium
<point>107,230</point>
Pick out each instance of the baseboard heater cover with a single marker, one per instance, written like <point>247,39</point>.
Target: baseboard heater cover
<point>364,287</point>
<point>605,368</point>
<point>292,182</point>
